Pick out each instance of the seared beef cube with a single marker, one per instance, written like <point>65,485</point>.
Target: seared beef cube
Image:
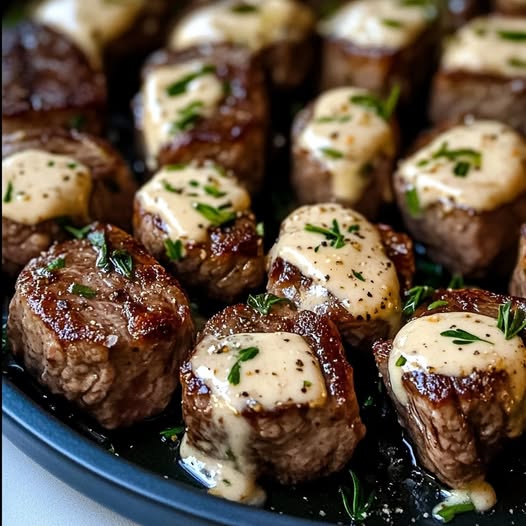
<point>518,280</point>
<point>278,31</point>
<point>48,82</point>
<point>332,261</point>
<point>456,374</point>
<point>101,323</point>
<point>267,392</point>
<point>377,44</point>
<point>52,178</point>
<point>463,195</point>
<point>483,72</point>
<point>344,145</point>
<point>196,220</point>
<point>204,103</point>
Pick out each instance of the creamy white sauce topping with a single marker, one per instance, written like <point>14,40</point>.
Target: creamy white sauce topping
<point>359,273</point>
<point>346,137</point>
<point>378,23</point>
<point>38,186</point>
<point>480,494</point>
<point>255,24</point>
<point>496,174</point>
<point>174,97</point>
<point>91,24</point>
<point>174,192</point>
<point>421,346</point>
<point>489,45</point>
<point>283,371</point>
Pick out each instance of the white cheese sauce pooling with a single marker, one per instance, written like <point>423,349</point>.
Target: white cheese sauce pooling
<point>495,167</point>
<point>347,137</point>
<point>282,370</point>
<point>358,273</point>
<point>38,186</point>
<point>174,192</point>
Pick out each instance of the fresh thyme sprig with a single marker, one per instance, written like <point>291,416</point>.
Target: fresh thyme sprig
<point>511,323</point>
<point>358,507</point>
<point>334,235</point>
<point>263,303</point>
<point>463,337</point>
<point>415,297</point>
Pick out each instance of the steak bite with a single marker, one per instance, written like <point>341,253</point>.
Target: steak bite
<point>204,103</point>
<point>518,280</point>
<point>377,44</point>
<point>344,145</point>
<point>457,377</point>
<point>267,392</point>
<point>101,323</point>
<point>279,32</point>
<point>332,261</point>
<point>463,195</point>
<point>53,177</point>
<point>483,73</point>
<point>48,82</point>
<point>196,220</point>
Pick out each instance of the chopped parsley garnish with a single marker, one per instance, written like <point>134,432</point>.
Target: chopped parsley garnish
<point>98,240</point>
<point>263,303</point>
<point>170,188</point>
<point>193,183</point>
<point>234,376</point>
<point>174,249</point>
<point>260,229</point>
<point>463,337</point>
<point>306,384</point>
<point>413,202</point>
<point>175,167</point>
<point>180,87</point>
<point>464,158</point>
<point>456,282</point>
<point>358,275</point>
<point>511,323</point>
<point>357,507</point>
<point>437,304</point>
<point>331,153</point>
<point>242,8</point>
<point>72,165</point>
<point>415,297</point>
<point>353,228</point>
<point>213,191</point>
<point>402,360</point>
<point>383,108</point>
<point>8,196</point>
<point>188,116</point>
<point>336,238</point>
<point>78,233</point>
<point>216,216</point>
<point>389,22</point>
<point>82,290</point>
<point>461,169</point>
<point>56,264</point>
<point>516,62</point>
<point>448,513</point>
<point>515,36</point>
<point>122,262</point>
<point>325,120</point>
<point>172,432</point>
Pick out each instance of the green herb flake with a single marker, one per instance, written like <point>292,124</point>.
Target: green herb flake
<point>260,229</point>
<point>188,117</point>
<point>331,153</point>
<point>369,401</point>
<point>306,384</point>
<point>328,119</point>
<point>336,238</point>
<point>170,188</point>
<point>514,36</point>
<point>413,203</point>
<point>263,303</point>
<point>463,158</point>
<point>353,228</point>
<point>234,376</point>
<point>456,282</point>
<point>213,191</point>
<point>180,87</point>
<point>82,290</point>
<point>194,183</point>
<point>78,233</point>
<point>462,337</point>
<point>8,196</point>
<point>122,262</point>
<point>516,62</point>
<point>98,240</point>
<point>174,249</point>
<point>56,264</point>
<point>172,432</point>
<point>402,360</point>
<point>437,304</point>
<point>358,275</point>
<point>175,167</point>
<point>461,169</point>
<point>216,216</point>
<point>226,482</point>
<point>243,9</point>
<point>511,323</point>
<point>415,297</point>
<point>383,109</point>
<point>389,22</point>
<point>448,513</point>
<point>72,166</point>
<point>357,507</point>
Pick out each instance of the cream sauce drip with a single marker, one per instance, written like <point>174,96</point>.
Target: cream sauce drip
<point>480,494</point>
<point>91,24</point>
<point>501,151</point>
<point>284,371</point>
<point>359,274</point>
<point>480,46</point>
<point>164,114</point>
<point>38,186</point>
<point>378,23</point>
<point>419,346</point>
<point>174,191</point>
<point>259,24</point>
<point>347,138</point>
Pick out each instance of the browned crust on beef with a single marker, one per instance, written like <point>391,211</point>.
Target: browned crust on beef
<point>518,280</point>
<point>235,135</point>
<point>509,7</point>
<point>457,424</point>
<point>379,69</point>
<point>312,181</point>
<point>228,265</point>
<point>458,93</point>
<point>111,199</point>
<point>291,443</point>
<point>47,81</point>
<point>286,280</point>
<point>115,355</point>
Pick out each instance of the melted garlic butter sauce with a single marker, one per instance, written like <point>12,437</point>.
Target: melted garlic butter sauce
<point>480,47</point>
<point>259,25</point>
<point>359,134</point>
<point>173,192</point>
<point>359,273</point>
<point>91,24</point>
<point>502,152</point>
<point>38,186</point>
<point>285,371</point>
<point>162,111</point>
<point>424,348</point>
<point>378,23</point>
<point>480,494</point>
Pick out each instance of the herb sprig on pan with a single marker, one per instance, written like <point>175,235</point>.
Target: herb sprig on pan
<point>357,506</point>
